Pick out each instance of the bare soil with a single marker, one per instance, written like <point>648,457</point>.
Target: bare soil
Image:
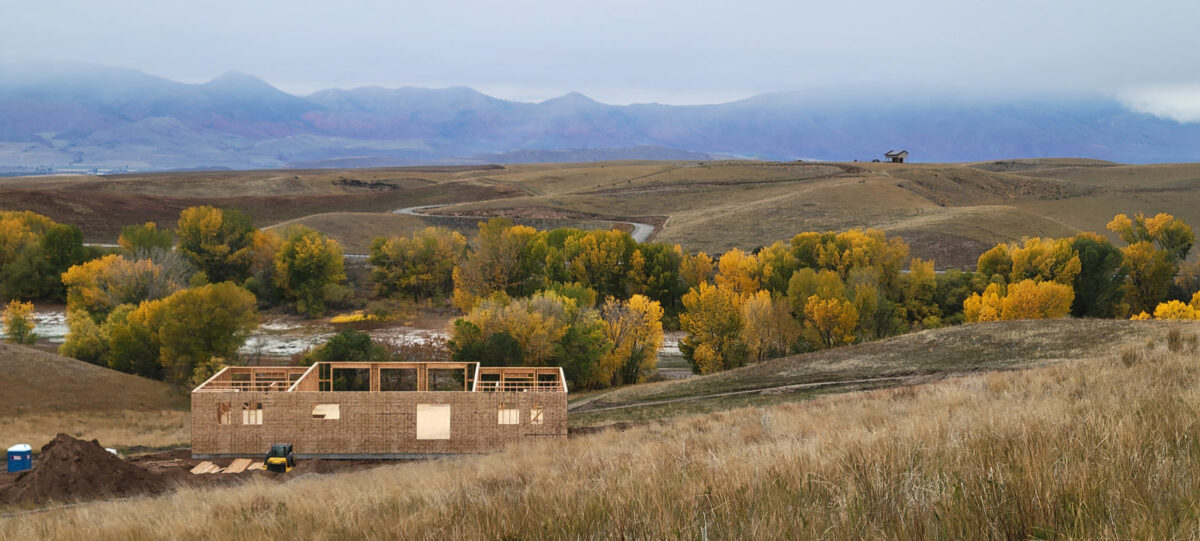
<point>68,470</point>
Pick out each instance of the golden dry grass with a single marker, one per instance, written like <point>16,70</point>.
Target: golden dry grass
<point>119,429</point>
<point>1091,449</point>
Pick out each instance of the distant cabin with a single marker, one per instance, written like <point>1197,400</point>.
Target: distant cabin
<point>896,156</point>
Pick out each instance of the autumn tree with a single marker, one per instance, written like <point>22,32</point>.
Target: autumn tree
<point>420,266</point>
<point>1176,310</point>
<point>34,252</point>
<point>140,239</point>
<point>1156,247</point>
<point>600,260</point>
<point>738,272</point>
<point>18,323</point>
<point>918,290</point>
<point>99,285</point>
<point>1150,271</point>
<point>544,329</point>
<point>775,267</point>
<point>713,321</point>
<point>997,261</point>
<point>806,282</point>
<point>1166,232</point>
<point>829,322</point>
<point>1042,260</point>
<point>218,242</point>
<point>87,340</point>
<point>634,328</point>
<point>986,306</point>
<point>307,266</point>
<point>1028,299</point>
<point>498,260</point>
<point>696,268</point>
<point>768,329</point>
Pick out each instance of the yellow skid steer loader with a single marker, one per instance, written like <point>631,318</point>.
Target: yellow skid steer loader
<point>280,458</point>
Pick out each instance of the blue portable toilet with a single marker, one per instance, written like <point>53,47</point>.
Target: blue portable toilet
<point>20,458</point>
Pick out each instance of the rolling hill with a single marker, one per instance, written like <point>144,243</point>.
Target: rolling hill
<point>950,212</point>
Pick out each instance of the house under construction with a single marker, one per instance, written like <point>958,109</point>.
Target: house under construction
<point>376,410</point>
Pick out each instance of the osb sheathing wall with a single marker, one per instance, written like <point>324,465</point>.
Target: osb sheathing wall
<point>371,423</point>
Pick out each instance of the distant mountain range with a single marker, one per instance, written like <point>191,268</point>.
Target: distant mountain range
<point>81,116</point>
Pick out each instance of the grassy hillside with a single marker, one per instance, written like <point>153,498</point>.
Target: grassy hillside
<point>1097,447</point>
<point>42,394</point>
<point>901,360</point>
<point>951,212</point>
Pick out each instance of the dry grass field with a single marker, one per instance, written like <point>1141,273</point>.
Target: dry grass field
<point>1097,447</point>
<point>951,212</point>
<point>44,394</point>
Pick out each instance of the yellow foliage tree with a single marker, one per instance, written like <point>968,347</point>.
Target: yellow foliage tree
<point>635,329</point>
<point>696,268</point>
<point>219,242</point>
<point>987,307</point>
<point>769,329</point>
<point>421,265</point>
<point>307,266</point>
<point>775,267</point>
<point>737,271</point>
<point>830,322</point>
<point>1176,310</point>
<point>713,320</point>
<point>1150,273</point>
<point>18,322</point>
<point>97,286</point>
<point>1044,260</point>
<point>1028,299</point>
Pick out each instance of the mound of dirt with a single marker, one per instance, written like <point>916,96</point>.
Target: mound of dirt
<point>69,469</point>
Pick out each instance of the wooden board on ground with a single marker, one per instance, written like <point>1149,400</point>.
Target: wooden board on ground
<point>202,467</point>
<point>238,465</point>
<point>257,466</point>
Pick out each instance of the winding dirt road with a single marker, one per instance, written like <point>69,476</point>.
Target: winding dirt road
<point>641,232</point>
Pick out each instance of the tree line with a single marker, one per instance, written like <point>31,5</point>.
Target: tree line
<point>595,302</point>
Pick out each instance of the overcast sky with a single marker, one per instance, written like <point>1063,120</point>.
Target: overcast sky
<point>627,51</point>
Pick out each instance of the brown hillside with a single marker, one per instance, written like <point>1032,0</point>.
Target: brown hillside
<point>950,212</point>
<point>36,382</point>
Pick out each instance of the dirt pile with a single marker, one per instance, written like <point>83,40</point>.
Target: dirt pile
<point>69,469</point>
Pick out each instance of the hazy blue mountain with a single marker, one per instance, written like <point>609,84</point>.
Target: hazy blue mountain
<point>81,115</point>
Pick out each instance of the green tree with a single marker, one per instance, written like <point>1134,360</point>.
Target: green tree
<point>656,272</point>
<point>1102,273</point>
<point>218,242</point>
<point>139,239</point>
<point>348,346</point>
<point>201,323</point>
<point>86,340</point>
<point>307,265</point>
